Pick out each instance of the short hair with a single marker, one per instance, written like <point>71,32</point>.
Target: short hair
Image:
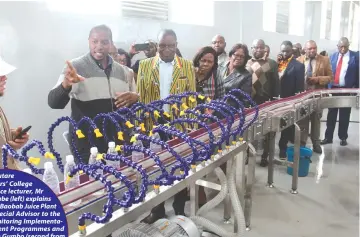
<point>101,28</point>
<point>267,46</point>
<point>127,56</point>
<point>151,42</point>
<point>287,43</point>
<point>244,48</point>
<point>201,53</point>
<point>166,32</point>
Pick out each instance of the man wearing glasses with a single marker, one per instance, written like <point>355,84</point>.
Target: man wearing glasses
<point>158,77</point>
<point>265,83</point>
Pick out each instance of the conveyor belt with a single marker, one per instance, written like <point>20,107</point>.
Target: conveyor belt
<point>274,116</point>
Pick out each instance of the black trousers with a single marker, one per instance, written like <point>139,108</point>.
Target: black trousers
<point>344,119</point>
<point>179,198</point>
<point>287,135</point>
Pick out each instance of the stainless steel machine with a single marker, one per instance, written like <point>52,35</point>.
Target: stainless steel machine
<point>273,117</point>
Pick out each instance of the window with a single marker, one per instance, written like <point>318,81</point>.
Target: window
<point>328,20</point>
<point>344,22</point>
<point>282,17</point>
<point>286,17</point>
<point>157,10</point>
<point>89,7</point>
<point>198,13</point>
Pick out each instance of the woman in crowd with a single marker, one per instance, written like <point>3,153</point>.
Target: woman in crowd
<point>123,58</point>
<point>233,74</point>
<point>206,65</point>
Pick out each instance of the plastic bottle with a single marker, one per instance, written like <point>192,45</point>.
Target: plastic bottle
<point>111,150</point>
<point>93,154</point>
<point>74,181</point>
<point>155,147</point>
<point>115,164</point>
<point>50,178</point>
<point>136,156</point>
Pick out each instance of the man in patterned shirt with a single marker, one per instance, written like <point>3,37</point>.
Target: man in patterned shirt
<point>8,135</point>
<point>265,82</point>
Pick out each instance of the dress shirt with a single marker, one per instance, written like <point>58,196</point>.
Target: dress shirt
<point>344,67</point>
<point>165,70</point>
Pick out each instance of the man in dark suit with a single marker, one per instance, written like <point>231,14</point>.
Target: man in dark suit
<point>291,75</point>
<point>345,68</point>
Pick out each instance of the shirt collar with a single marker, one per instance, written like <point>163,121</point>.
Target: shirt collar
<point>347,54</point>
<point>260,59</point>
<point>162,62</point>
<point>109,61</point>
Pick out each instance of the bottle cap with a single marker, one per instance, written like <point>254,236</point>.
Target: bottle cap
<point>27,170</point>
<point>69,159</point>
<point>48,165</point>
<point>111,144</point>
<point>94,150</point>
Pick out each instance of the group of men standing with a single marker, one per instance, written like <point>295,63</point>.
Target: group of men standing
<point>95,83</point>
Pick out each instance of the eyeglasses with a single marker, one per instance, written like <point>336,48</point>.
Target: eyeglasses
<point>238,56</point>
<point>169,46</point>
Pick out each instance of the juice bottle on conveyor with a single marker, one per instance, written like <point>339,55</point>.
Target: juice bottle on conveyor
<point>74,181</point>
<point>115,164</point>
<point>112,151</point>
<point>50,178</point>
<point>155,147</point>
<point>93,154</point>
<point>136,157</point>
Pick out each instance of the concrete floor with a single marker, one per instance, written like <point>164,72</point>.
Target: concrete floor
<point>328,199</point>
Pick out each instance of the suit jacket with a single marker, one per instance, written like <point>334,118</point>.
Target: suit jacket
<point>292,80</point>
<point>322,71</point>
<point>148,80</point>
<point>12,163</point>
<point>352,73</point>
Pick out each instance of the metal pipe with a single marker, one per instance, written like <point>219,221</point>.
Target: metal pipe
<point>240,182</point>
<point>227,201</point>
<point>295,165</point>
<point>249,185</point>
<point>271,144</point>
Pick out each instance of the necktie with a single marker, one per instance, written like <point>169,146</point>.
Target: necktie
<point>338,70</point>
<point>309,69</point>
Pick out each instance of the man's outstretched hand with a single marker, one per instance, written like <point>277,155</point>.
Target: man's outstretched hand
<point>71,76</point>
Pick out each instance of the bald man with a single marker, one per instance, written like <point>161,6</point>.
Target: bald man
<point>318,75</point>
<point>265,82</point>
<point>219,44</point>
<point>298,50</point>
<point>345,68</point>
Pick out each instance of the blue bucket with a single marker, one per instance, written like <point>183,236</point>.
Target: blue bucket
<point>304,162</point>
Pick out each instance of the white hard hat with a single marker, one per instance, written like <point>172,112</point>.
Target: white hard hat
<point>5,68</point>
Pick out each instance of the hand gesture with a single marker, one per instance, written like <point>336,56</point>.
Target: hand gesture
<point>125,99</point>
<point>312,80</point>
<point>18,143</point>
<point>71,76</point>
<point>132,50</point>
